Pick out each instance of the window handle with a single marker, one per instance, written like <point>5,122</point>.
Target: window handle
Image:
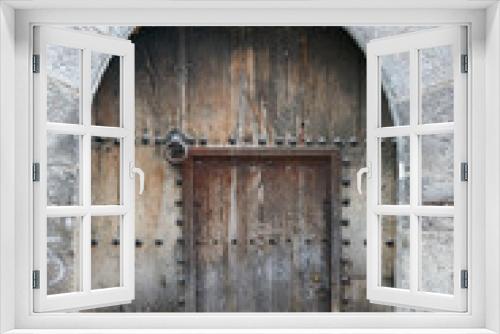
<point>359,175</point>
<point>136,170</point>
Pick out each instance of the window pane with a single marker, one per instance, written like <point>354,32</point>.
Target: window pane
<point>106,245</point>
<point>436,84</point>
<point>63,84</point>
<point>63,255</point>
<point>436,254</point>
<point>105,89</point>
<point>395,170</point>
<point>63,169</point>
<point>437,169</point>
<point>395,252</point>
<point>105,171</point>
<point>395,89</point>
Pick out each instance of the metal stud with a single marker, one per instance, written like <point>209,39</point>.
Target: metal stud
<point>344,222</point>
<point>159,140</point>
<point>338,141</point>
<point>202,141</point>
<point>346,162</point>
<point>145,137</point>
<point>138,243</point>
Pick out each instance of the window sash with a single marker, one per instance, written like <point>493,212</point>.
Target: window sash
<point>86,297</point>
<point>412,43</point>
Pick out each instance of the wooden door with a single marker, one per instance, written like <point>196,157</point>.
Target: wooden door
<point>261,234</point>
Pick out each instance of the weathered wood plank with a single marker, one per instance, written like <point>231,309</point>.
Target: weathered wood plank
<point>212,182</point>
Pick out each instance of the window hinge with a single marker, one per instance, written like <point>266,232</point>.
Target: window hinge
<point>36,172</point>
<point>36,63</point>
<point>465,64</point>
<point>464,171</point>
<point>36,279</point>
<point>464,279</point>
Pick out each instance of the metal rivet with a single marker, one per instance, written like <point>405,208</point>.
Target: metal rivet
<point>145,137</point>
<point>337,141</point>
<point>346,182</point>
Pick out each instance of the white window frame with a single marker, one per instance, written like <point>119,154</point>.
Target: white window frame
<point>411,43</point>
<point>87,43</point>
<point>483,122</point>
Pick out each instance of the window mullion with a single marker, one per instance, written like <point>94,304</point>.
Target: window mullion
<point>86,171</point>
<point>414,170</point>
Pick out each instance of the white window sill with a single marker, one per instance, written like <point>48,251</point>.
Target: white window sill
<point>254,331</point>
